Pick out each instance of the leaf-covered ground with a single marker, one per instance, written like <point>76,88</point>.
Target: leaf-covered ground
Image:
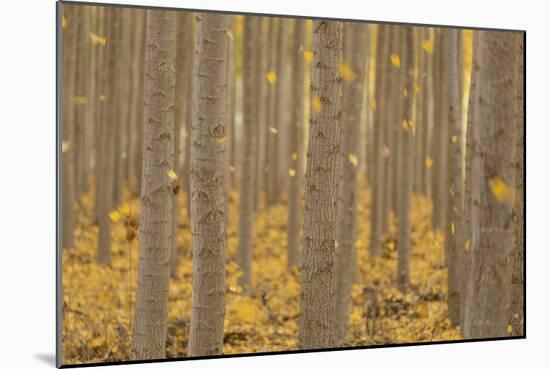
<point>98,300</point>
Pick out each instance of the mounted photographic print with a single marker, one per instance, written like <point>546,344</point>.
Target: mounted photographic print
<point>234,184</point>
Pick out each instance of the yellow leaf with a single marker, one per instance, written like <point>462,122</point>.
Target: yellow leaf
<point>271,77</point>
<point>222,140</point>
<point>453,228</point>
<point>172,175</point>
<point>347,72</point>
<point>429,162</point>
<point>468,245</point>
<point>373,103</point>
<point>395,60</point>
<point>273,130</point>
<point>294,156</point>
<point>65,146</point>
<point>405,92</point>
<point>96,342</point>
<point>291,172</point>
<point>416,88</point>
<point>81,100</point>
<point>64,23</point>
<point>101,97</point>
<point>404,124</point>
<point>230,34</point>
<point>353,159</point>
<point>500,189</point>
<point>246,310</point>
<point>317,104</point>
<point>232,168</point>
<point>509,329</point>
<point>423,310</point>
<point>454,139</point>
<point>97,40</point>
<point>336,244</point>
<point>115,216</point>
<point>124,210</point>
<point>308,56</point>
<point>428,46</point>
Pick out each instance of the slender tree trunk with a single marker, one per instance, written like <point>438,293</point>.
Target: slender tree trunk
<point>259,87</point>
<point>354,51</point>
<point>270,111</point>
<point>231,105</point>
<point>149,336</point>
<point>207,186</point>
<point>492,239</point>
<point>316,325</point>
<point>295,139</point>
<point>454,165</point>
<point>107,155</point>
<point>406,167</point>
<point>246,195</point>
<point>68,123</point>
<point>378,131</point>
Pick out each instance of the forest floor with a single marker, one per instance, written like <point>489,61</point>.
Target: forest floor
<point>98,300</point>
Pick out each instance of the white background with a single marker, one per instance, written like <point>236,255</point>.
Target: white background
<point>27,184</point>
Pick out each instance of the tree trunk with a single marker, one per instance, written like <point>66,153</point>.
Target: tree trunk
<point>149,336</point>
<point>68,123</point>
<point>381,86</point>
<point>492,233</point>
<point>295,138</point>
<point>354,52</point>
<point>454,165</point>
<point>316,326</point>
<point>406,165</point>
<point>207,186</point>
<point>246,195</point>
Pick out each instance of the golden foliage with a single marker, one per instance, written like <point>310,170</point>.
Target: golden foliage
<point>500,190</point>
<point>395,60</point>
<point>429,162</point>
<point>271,77</point>
<point>347,73</point>
<point>98,40</point>
<point>291,172</point>
<point>98,300</point>
<point>172,175</point>
<point>428,46</point>
<point>353,159</point>
<point>308,56</point>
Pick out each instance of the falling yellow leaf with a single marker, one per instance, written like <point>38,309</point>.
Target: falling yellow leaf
<point>222,140</point>
<point>271,77</point>
<point>64,23</point>
<point>454,139</point>
<point>97,40</point>
<point>273,130</point>
<point>124,209</point>
<point>395,60</point>
<point>291,172</point>
<point>416,88</point>
<point>172,175</point>
<point>317,104</point>
<point>308,56</point>
<point>294,156</point>
<point>96,342</point>
<point>428,46</point>
<point>385,151</point>
<point>347,72</point>
<point>65,146</point>
<point>509,329</point>
<point>353,159</point>
<point>230,34</point>
<point>373,103</point>
<point>232,168</point>
<point>429,162</point>
<point>468,245</point>
<point>115,216</point>
<point>453,228</point>
<point>500,189</point>
<point>336,244</point>
<point>101,97</point>
<point>81,100</point>
<point>405,92</point>
<point>404,124</point>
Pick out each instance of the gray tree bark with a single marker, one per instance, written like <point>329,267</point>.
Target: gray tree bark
<point>207,186</point>
<point>354,51</point>
<point>316,322</point>
<point>149,336</point>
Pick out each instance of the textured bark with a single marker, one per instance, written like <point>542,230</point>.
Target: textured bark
<point>375,248</point>
<point>424,121</point>
<point>149,336</point>
<point>231,107</point>
<point>295,138</point>
<point>354,52</point>
<point>259,74</point>
<point>117,39</point>
<point>107,155</point>
<point>68,122</point>
<point>269,183</point>
<point>454,168</point>
<point>440,172</point>
<point>207,186</point>
<point>246,194</point>
<point>316,326</point>
<point>516,318</point>
<point>406,166</point>
<point>191,45</point>
<point>492,239</point>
